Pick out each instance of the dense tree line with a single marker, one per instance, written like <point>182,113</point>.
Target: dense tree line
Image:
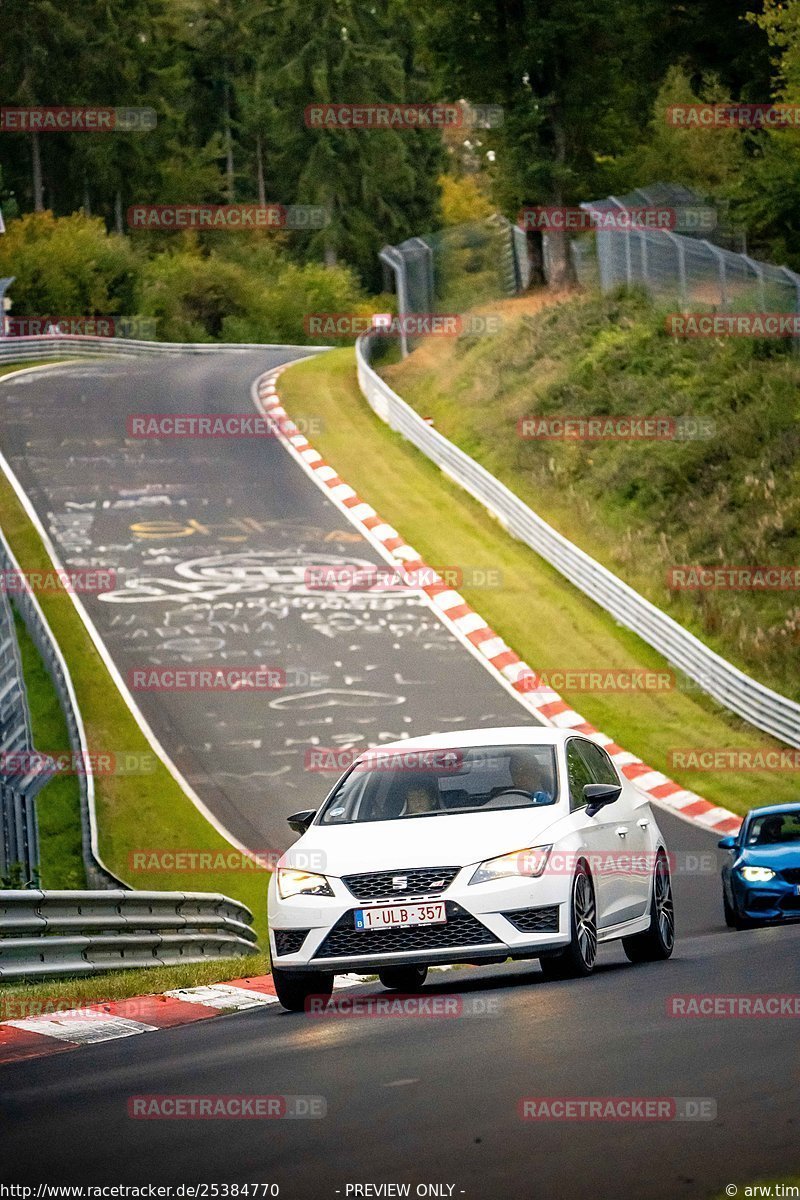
<point>229,81</point>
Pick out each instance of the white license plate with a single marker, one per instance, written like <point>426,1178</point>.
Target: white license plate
<point>391,916</point>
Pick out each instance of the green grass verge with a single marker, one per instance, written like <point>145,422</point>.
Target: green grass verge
<point>18,1000</point>
<point>58,805</point>
<point>10,368</point>
<point>148,811</point>
<point>547,621</point>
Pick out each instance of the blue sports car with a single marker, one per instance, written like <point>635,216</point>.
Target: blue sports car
<point>761,882</point>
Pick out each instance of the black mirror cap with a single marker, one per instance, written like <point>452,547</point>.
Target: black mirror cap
<point>727,843</point>
<point>598,795</point>
<point>300,821</point>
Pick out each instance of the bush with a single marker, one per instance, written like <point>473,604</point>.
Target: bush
<point>67,266</point>
<point>239,289</point>
<point>264,300</point>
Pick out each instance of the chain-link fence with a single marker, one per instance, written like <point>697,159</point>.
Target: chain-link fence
<point>457,268</point>
<point>692,269</point>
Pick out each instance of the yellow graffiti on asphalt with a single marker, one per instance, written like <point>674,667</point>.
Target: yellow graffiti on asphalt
<point>235,529</point>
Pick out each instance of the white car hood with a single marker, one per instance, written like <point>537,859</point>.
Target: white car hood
<point>440,841</point>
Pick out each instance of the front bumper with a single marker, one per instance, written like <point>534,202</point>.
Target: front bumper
<point>492,921</point>
<point>777,900</point>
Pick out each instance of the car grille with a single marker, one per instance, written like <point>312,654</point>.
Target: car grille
<point>534,920</point>
<point>420,881</point>
<point>791,904</point>
<point>791,874</point>
<point>289,941</point>
<point>461,929</point>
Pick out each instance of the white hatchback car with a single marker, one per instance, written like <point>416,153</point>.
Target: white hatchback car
<point>471,847</point>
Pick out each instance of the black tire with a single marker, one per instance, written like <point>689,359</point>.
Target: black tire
<point>731,920</point>
<point>295,988</point>
<point>403,979</point>
<point>576,960</point>
<point>658,940</point>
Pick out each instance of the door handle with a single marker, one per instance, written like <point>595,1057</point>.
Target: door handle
<point>622,831</point>
<point>643,823</point>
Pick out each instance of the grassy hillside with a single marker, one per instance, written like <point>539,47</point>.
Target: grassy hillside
<point>640,507</point>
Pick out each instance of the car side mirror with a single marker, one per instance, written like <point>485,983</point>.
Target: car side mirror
<point>727,843</point>
<point>300,821</point>
<point>598,795</point>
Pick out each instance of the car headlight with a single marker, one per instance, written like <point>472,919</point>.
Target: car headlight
<point>529,863</point>
<point>301,883</point>
<point>757,874</point>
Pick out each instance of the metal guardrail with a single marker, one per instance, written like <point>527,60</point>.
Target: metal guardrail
<point>20,349</point>
<point>97,874</point>
<point>80,933</point>
<point>19,836</point>
<point>759,705</point>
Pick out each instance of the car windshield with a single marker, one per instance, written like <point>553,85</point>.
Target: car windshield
<point>391,785</point>
<point>774,829</point>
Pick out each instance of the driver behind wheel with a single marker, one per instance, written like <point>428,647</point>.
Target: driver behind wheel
<point>528,775</point>
<point>422,796</point>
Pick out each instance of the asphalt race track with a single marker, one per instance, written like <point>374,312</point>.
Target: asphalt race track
<point>232,525</point>
<point>210,540</point>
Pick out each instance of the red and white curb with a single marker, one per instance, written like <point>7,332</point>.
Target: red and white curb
<point>471,629</point>
<point>105,1021</point>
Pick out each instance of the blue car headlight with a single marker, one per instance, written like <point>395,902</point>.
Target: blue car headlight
<point>757,874</point>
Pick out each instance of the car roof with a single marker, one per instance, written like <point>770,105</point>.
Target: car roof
<point>505,735</point>
<point>769,809</point>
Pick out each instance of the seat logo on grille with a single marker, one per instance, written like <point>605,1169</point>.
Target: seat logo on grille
<point>399,882</point>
